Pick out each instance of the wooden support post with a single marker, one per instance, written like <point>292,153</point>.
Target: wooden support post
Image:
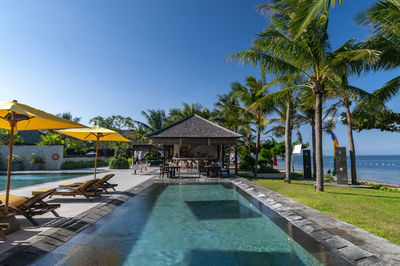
<point>164,154</point>
<point>9,167</point>
<point>223,156</point>
<point>133,159</point>
<point>236,158</point>
<point>97,152</point>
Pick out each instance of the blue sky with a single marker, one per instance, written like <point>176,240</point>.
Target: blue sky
<point>98,57</point>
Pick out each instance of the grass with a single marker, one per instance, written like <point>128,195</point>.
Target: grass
<point>376,211</point>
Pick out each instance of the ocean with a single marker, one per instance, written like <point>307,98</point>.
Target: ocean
<point>376,168</point>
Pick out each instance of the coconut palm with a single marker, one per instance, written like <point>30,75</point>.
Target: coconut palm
<point>228,114</point>
<point>284,102</point>
<point>276,51</point>
<point>306,112</point>
<point>155,119</point>
<point>177,114</point>
<point>383,19</point>
<point>345,94</point>
<point>283,126</point>
<point>248,95</point>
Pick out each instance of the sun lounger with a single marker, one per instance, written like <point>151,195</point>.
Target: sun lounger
<point>29,207</point>
<point>87,190</point>
<point>101,183</point>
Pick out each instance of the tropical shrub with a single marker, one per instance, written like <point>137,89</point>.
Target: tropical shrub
<point>36,158</point>
<point>17,158</point>
<point>5,137</point>
<point>118,163</point>
<point>247,163</point>
<point>82,164</point>
<point>329,177</point>
<point>51,139</point>
<point>265,157</point>
<point>268,169</point>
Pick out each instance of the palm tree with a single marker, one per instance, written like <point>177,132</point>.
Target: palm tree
<point>275,50</point>
<point>306,112</point>
<point>227,113</point>
<point>155,119</point>
<point>383,19</point>
<point>345,95</point>
<point>248,95</point>
<point>284,124</point>
<point>285,103</point>
<point>177,114</point>
<point>68,115</point>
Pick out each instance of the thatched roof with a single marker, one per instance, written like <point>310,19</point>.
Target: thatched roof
<point>193,129</point>
<point>194,126</point>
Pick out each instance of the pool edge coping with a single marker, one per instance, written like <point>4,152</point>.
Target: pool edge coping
<point>47,241</point>
<point>311,221</point>
<point>299,215</point>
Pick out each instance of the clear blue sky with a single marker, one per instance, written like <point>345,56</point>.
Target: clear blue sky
<point>98,57</point>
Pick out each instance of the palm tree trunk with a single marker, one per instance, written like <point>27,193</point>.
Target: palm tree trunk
<point>257,150</point>
<point>313,147</point>
<point>351,146</point>
<point>319,186</point>
<point>288,142</point>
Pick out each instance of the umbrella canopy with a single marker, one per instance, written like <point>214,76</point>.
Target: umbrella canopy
<point>18,116</point>
<point>29,118</point>
<point>95,133</point>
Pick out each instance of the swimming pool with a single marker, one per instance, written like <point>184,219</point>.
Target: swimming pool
<point>22,180</point>
<point>190,225</point>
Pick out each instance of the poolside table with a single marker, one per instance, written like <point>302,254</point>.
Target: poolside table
<point>172,170</point>
<point>213,168</point>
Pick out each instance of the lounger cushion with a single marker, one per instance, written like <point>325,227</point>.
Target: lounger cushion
<point>13,200</point>
<point>40,191</point>
<point>84,184</point>
<point>67,185</point>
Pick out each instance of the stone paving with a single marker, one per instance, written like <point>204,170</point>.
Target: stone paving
<point>70,208</point>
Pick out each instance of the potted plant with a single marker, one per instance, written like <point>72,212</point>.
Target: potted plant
<point>17,162</point>
<point>37,162</point>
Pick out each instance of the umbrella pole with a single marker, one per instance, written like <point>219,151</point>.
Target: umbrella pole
<point>95,160</point>
<point>12,126</point>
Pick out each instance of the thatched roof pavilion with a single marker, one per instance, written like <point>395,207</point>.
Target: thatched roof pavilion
<point>195,131</point>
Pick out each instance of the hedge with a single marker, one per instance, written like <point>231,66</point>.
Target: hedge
<point>81,164</point>
<point>118,163</point>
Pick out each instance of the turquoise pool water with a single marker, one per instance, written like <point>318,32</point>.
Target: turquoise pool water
<point>184,225</point>
<point>32,179</point>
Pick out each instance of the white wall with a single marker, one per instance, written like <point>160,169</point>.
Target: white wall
<point>26,151</point>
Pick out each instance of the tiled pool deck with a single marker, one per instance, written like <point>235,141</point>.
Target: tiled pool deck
<point>347,242</point>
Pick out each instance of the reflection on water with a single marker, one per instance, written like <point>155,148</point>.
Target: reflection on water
<point>184,225</point>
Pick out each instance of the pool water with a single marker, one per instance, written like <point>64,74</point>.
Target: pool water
<point>22,180</point>
<point>183,225</point>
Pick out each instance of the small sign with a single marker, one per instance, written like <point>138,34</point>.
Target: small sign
<point>297,149</point>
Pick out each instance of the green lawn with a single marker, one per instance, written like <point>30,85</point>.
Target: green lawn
<point>373,210</point>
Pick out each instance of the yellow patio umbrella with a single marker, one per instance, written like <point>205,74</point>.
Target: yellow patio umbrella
<point>18,116</point>
<point>95,133</point>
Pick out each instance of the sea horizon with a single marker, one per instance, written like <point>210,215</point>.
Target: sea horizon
<point>374,168</point>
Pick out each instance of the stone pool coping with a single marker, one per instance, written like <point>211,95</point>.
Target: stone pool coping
<point>70,171</point>
<point>49,240</point>
<point>348,242</point>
